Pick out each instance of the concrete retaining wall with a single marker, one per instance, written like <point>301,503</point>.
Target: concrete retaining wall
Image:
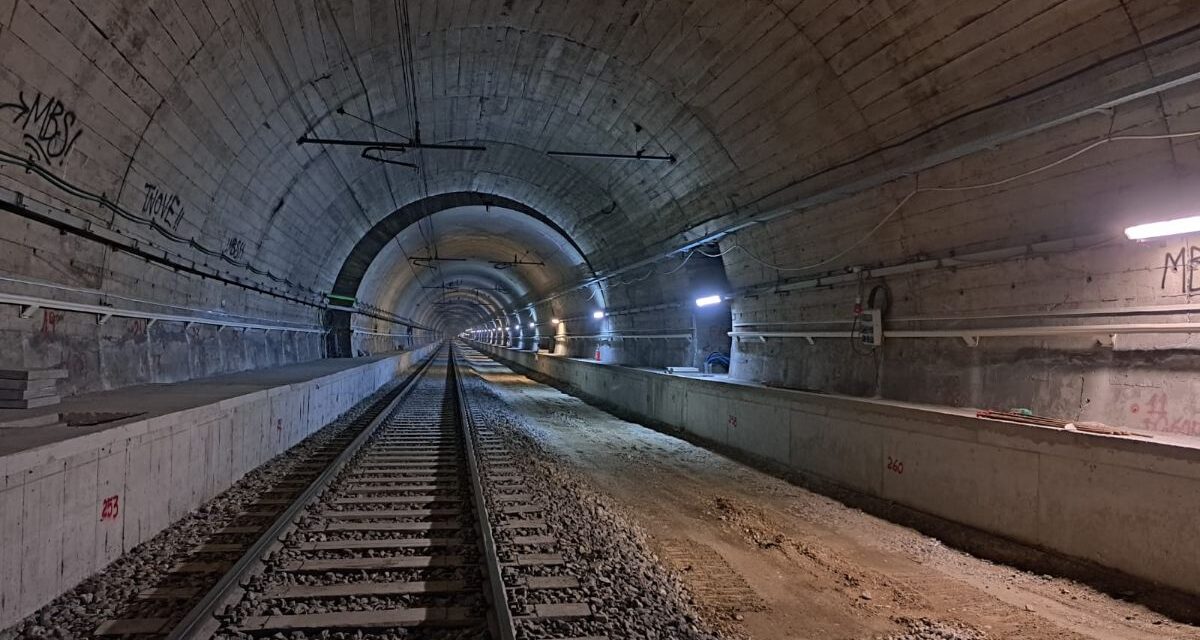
<point>1128,504</point>
<point>71,508</point>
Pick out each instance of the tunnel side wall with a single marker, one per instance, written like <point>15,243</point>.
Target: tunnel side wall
<point>1118,502</point>
<point>73,507</point>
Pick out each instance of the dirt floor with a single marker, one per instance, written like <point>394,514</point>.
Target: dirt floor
<point>779,562</point>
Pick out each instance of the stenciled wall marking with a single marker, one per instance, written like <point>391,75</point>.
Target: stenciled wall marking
<point>48,127</point>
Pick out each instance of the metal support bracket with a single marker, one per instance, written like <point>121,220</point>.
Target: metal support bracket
<point>103,318</point>
<point>972,341</point>
<point>27,311</point>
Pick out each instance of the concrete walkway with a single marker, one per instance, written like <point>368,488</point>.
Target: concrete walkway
<point>152,400</point>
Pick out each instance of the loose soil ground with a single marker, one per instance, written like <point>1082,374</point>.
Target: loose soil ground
<point>772,561</point>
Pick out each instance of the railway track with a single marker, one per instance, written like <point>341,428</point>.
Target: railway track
<point>420,526</point>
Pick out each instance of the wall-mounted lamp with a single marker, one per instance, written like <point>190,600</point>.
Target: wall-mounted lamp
<point>554,320</point>
<point>532,325</point>
<point>598,315</point>
<point>1164,228</point>
<point>708,301</point>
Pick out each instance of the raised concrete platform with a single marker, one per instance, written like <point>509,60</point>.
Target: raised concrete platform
<point>1125,503</point>
<point>73,499</point>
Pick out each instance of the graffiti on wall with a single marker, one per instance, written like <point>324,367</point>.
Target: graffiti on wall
<point>162,206</point>
<point>48,127</point>
<point>235,248</point>
<point>1181,266</point>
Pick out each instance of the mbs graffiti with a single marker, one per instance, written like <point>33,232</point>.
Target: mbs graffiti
<point>48,128</point>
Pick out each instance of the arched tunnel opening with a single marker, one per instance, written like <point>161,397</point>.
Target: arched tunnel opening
<point>557,321</point>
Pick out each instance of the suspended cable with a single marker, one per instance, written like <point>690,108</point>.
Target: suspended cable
<point>29,166</point>
<point>960,188</point>
<point>353,62</point>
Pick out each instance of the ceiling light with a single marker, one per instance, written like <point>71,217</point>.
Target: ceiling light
<point>598,314</point>
<point>708,300</point>
<point>1164,228</point>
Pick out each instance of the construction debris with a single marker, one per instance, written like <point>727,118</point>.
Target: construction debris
<point>29,388</point>
<point>1027,417</point>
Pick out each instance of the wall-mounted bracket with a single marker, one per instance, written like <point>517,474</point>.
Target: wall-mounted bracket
<point>876,316</point>
<point>972,341</point>
<point>103,318</point>
<point>27,311</point>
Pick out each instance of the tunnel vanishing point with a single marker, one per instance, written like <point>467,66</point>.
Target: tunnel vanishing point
<point>930,259</point>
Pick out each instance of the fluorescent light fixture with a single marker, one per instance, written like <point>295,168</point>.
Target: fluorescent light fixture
<point>598,314</point>
<point>554,320</point>
<point>708,300</point>
<point>532,325</point>
<point>1164,228</point>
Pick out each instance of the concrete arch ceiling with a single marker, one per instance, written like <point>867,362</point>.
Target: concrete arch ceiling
<point>749,96</point>
<point>512,88</point>
<point>471,240</point>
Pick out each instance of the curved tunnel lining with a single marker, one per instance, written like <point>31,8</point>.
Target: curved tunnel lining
<point>357,264</point>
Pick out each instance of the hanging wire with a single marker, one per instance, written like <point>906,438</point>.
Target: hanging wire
<point>28,165</point>
<point>917,189</point>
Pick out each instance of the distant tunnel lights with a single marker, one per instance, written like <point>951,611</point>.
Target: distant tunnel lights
<point>532,325</point>
<point>708,301</point>
<point>1164,228</point>
<point>598,315</point>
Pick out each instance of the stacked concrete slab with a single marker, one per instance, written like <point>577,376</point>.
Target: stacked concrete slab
<point>71,507</point>
<point>29,388</point>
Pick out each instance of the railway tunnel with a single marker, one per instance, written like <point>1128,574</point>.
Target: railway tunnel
<point>847,319</point>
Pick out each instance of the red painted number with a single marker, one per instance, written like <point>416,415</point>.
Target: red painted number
<point>895,466</point>
<point>110,508</point>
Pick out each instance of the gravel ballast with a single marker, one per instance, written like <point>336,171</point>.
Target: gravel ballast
<point>112,593</point>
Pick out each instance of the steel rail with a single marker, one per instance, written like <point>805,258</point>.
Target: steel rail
<point>200,622</point>
<point>502,621</point>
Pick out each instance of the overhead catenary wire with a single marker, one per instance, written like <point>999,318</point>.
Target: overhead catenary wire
<point>348,56</point>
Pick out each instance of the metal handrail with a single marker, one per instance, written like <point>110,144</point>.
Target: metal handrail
<point>30,304</point>
<point>972,336</point>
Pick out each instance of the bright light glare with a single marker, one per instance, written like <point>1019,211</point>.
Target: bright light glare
<point>598,315</point>
<point>708,300</point>
<point>1164,228</point>
<point>532,325</point>
<point>554,320</point>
